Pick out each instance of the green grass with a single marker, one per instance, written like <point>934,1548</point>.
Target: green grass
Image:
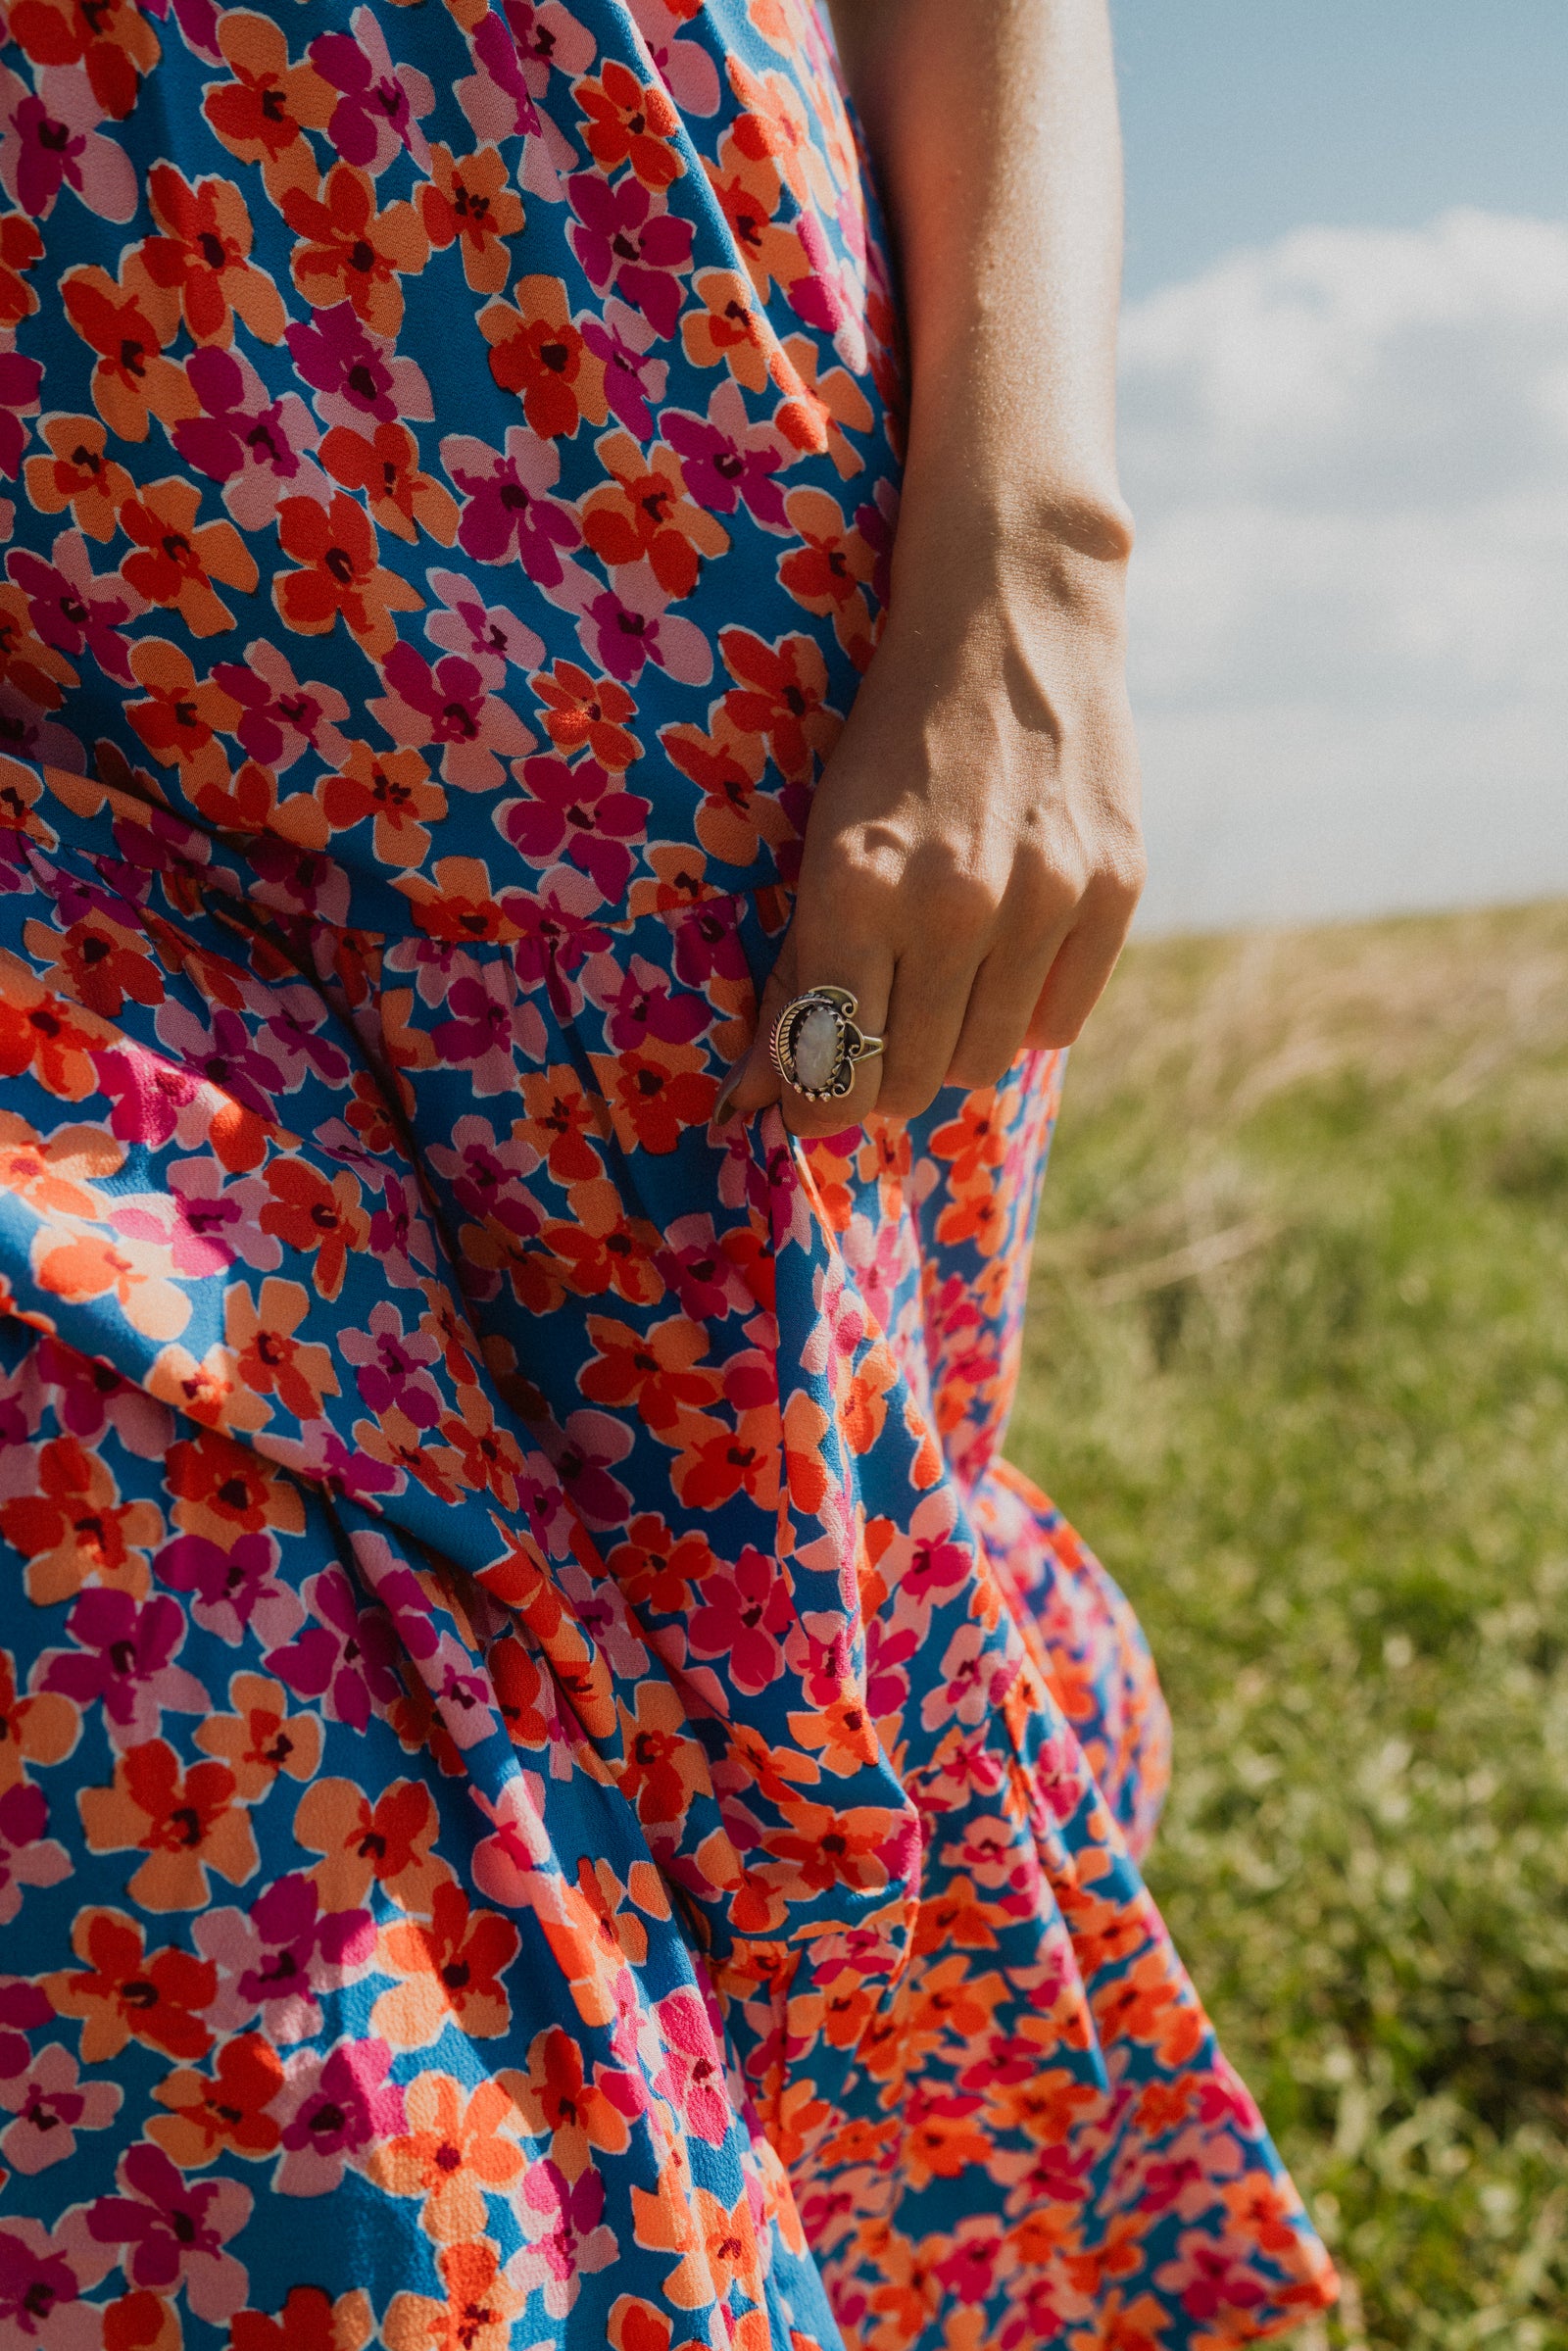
<point>1297,1366</point>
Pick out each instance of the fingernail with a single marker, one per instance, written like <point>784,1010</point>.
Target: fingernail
<point>724,1108</point>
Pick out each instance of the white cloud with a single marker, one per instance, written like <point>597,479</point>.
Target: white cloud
<point>1347,454</point>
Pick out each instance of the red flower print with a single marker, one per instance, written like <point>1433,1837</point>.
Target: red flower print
<point>335,548</point>
<point>74,1530</point>
<point>449,1966</point>
<point>536,352</point>
<point>263,114</point>
<point>643,513</point>
<point>467,201</point>
<point>654,1371</point>
<point>185,1821</point>
<point>175,2231</point>
<point>309,2319</point>
<point>780,694</point>
<point>224,2111</point>
<point>729,328</point>
<point>78,476</point>
<point>125,326</point>
<point>202,254</point>
<point>176,560</point>
<point>384,465</point>
<point>351,252</point>
<point>629,122</point>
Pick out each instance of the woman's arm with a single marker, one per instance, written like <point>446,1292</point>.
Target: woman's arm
<point>973,855</point>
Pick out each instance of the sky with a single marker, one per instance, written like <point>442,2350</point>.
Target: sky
<point>1344,437</point>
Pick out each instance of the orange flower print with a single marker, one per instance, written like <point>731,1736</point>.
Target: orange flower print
<point>476,2314</point>
<point>202,254</point>
<point>182,717</point>
<point>461,2145</point>
<point>348,251</point>
<point>75,1532</point>
<point>395,789</point>
<point>403,498</point>
<point>223,1490</point>
<point>729,330</point>
<point>268,1358</point>
<point>449,1966</point>
<point>47,1036</point>
<point>122,1992</point>
<point>384,1843</point>
<point>536,352</point>
<point>780,693</point>
<point>53,1175</point>
<point>78,476</point>
<point>261,1740</point>
<point>830,572</point>
<point>558,2099</point>
<point>589,713</point>
<point>655,1097</point>
<point>335,548</point>
<point>629,122</point>
<point>749,192</point>
<point>263,114</point>
<point>322,1220</point>
<point>176,560</point>
<point>42,1728</point>
<point>655,1372</point>
<point>20,250</point>
<point>126,324</point>
<point>644,515</point>
<point>467,201</point>
<point>114,44</point>
<point>224,2111</point>
<point>816,410</point>
<point>186,1822</point>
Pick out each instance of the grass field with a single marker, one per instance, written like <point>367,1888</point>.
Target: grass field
<point>1299,1368</point>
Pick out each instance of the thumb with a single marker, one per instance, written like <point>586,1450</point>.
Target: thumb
<point>755,1082</point>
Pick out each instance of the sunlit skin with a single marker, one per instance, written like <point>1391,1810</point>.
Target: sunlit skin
<point>974,855</point>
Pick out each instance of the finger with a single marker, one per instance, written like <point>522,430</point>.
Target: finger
<point>755,1082</point>
<point>1077,978</point>
<point>930,997</point>
<point>1007,987</point>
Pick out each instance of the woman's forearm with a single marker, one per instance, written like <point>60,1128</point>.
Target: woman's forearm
<point>993,130</point>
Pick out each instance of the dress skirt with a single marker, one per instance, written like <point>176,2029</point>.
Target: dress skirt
<point>555,1789</point>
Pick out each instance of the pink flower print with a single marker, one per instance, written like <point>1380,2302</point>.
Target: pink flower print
<point>28,1857</point>
<point>259,448</point>
<point>449,706</point>
<point>51,140</point>
<point>547,36</point>
<point>638,1004</point>
<point>579,812</point>
<point>556,931</point>
<point>630,244</point>
<point>279,717</point>
<point>333,2106</point>
<point>281,1957</point>
<point>631,624</point>
<point>981,2255</point>
<point>26,734</point>
<point>587,1445</point>
<point>23,2008</point>
<point>1211,2277</point>
<point>745,1614</point>
<point>728,460</point>
<point>381,103</point>
<point>44,2274</point>
<point>632,379</point>
<point>972,1685</point>
<point>707,943</point>
<point>685,68</point>
<point>148,1094</point>
<point>400,1234</point>
<point>51,2106</point>
<point>19,379</point>
<point>888,1651</point>
<point>231,1592</point>
<point>567,2239</point>
<point>496,99</point>
<point>225,1054</point>
<point>347,1658</point>
<point>489,636</point>
<point>485,1177</point>
<point>703,1271</point>
<point>355,373</point>
<point>71,611</point>
<point>692,2075</point>
<point>175,2232</point>
<point>391,1365</point>
<point>507,515</point>
<point>399,1592</point>
<point>226,1217</point>
<point>488,1028</point>
<point>299,1038</point>
<point>124,1661</point>
<point>197,21</point>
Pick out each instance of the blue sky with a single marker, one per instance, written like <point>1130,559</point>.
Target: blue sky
<point>1344,437</point>
<point>1244,119</point>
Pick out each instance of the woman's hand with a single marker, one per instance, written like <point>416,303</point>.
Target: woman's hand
<point>973,854</point>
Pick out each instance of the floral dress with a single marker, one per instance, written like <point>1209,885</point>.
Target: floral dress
<point>554,1788</point>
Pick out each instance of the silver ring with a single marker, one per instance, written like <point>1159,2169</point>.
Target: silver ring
<point>818,1041</point>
